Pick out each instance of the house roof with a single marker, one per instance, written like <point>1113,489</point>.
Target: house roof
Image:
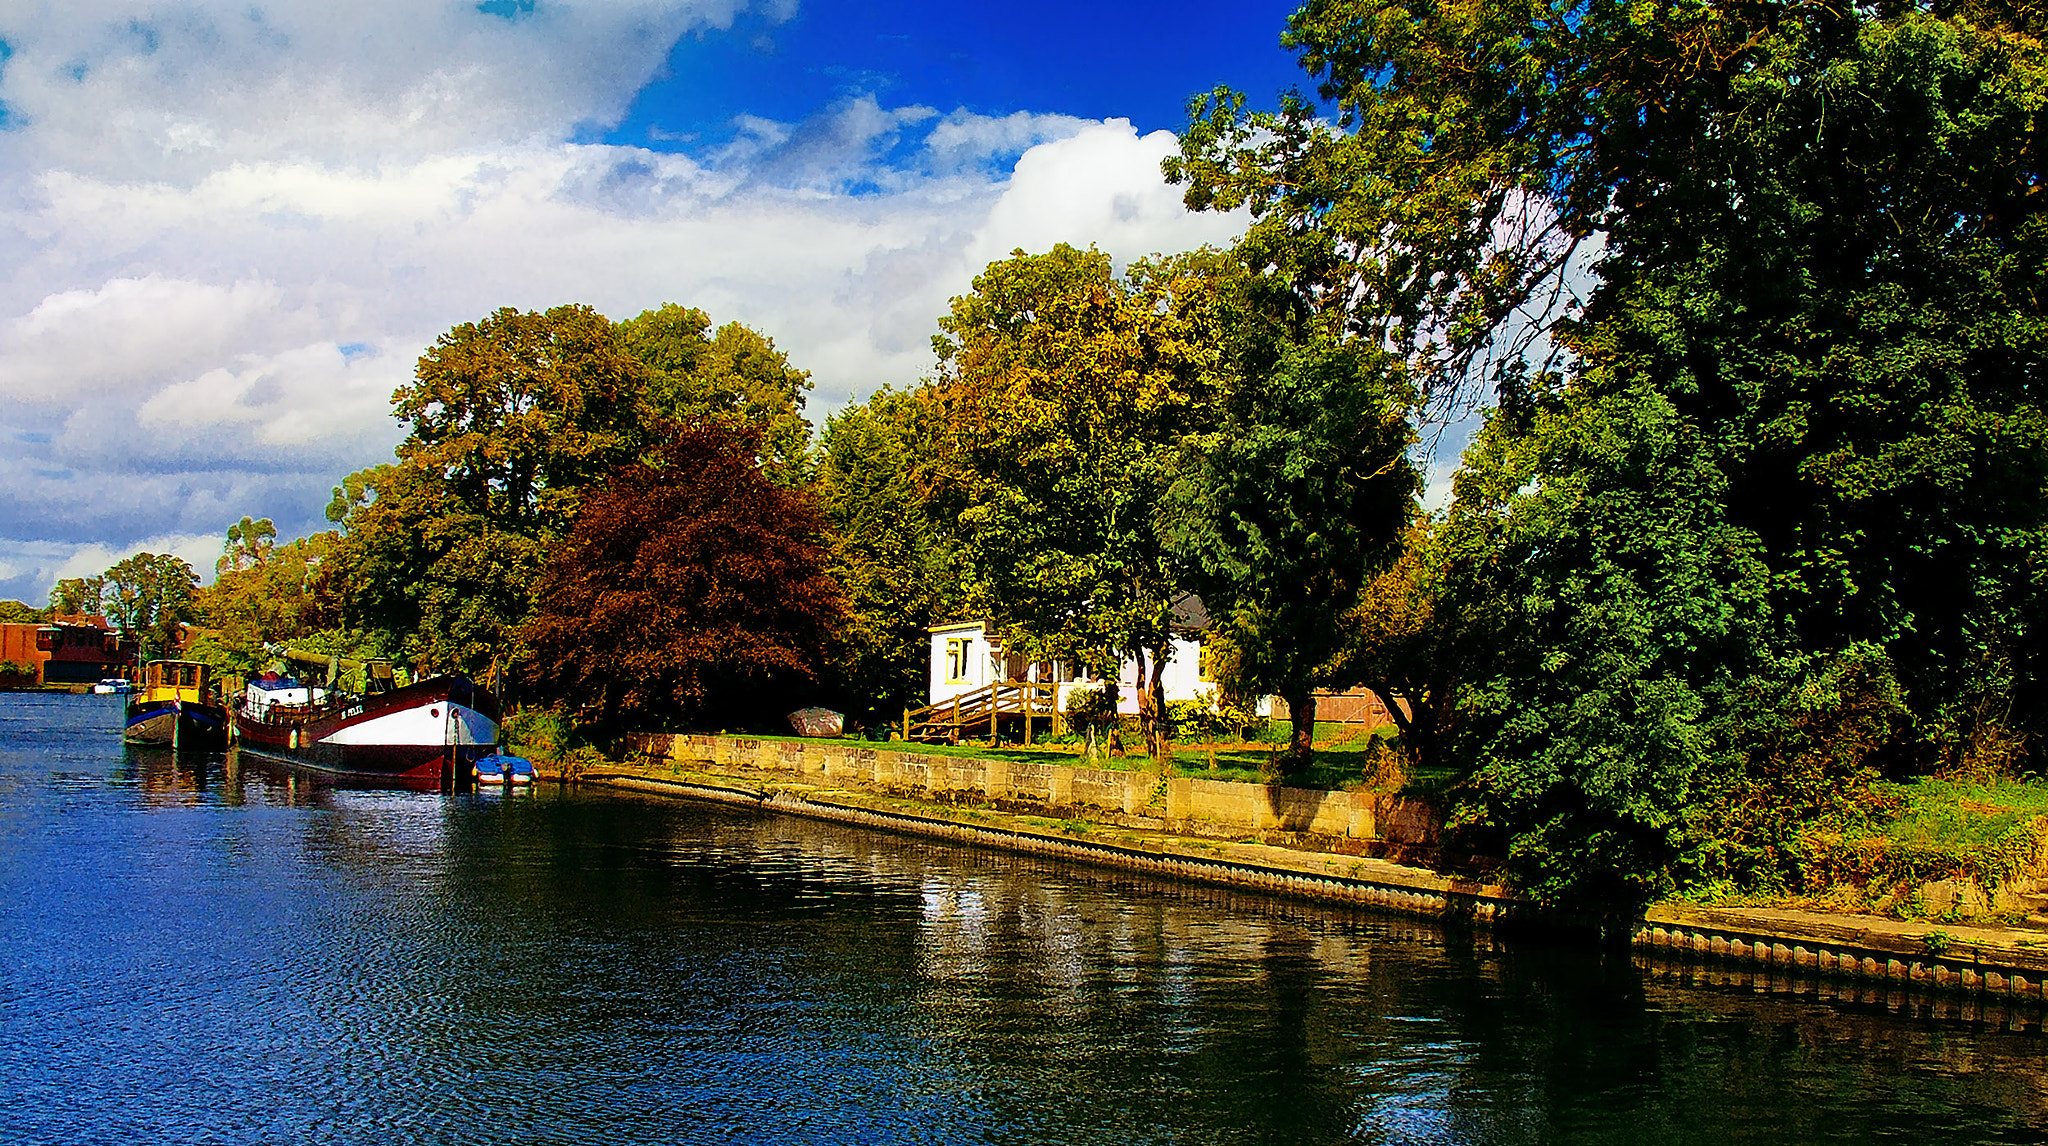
<point>957,626</point>
<point>1190,616</point>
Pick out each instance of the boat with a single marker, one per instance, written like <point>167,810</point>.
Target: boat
<point>422,735</point>
<point>176,708</point>
<point>518,770</point>
<point>112,686</point>
<point>489,771</point>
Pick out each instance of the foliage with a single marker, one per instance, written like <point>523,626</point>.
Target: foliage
<point>149,597</point>
<point>78,596</point>
<point>250,543</point>
<point>1284,510</point>
<point>542,735</point>
<point>510,418</point>
<point>1069,391</point>
<point>893,559</point>
<point>17,673</point>
<point>1093,710</point>
<point>20,613</point>
<point>691,588</point>
<point>734,375</point>
<point>265,594</point>
<point>1798,436</point>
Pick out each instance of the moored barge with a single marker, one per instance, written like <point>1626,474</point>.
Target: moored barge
<point>176,708</point>
<point>422,735</point>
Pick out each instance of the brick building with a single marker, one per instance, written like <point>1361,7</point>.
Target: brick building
<point>69,650</point>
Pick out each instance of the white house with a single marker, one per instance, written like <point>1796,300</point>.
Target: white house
<point>965,657</point>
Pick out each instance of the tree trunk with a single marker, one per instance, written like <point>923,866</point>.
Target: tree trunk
<point>1159,738</point>
<point>1301,713</point>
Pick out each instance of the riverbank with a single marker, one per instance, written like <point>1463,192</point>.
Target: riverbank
<point>1343,848</point>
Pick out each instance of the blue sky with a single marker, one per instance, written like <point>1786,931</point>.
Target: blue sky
<point>1138,61</point>
<point>228,227</point>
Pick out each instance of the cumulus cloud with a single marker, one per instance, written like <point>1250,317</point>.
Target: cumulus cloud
<point>198,324</point>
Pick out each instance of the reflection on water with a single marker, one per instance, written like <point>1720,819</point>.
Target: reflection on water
<point>214,950</point>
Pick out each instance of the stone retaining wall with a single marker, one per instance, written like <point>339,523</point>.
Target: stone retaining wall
<point>1215,808</point>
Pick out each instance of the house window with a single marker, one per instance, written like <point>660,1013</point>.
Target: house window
<point>956,660</point>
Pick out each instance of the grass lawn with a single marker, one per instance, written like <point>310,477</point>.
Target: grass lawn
<point>1958,813</point>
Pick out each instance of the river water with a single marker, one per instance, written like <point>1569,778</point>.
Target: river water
<point>209,951</point>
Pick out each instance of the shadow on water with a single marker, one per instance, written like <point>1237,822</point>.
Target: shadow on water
<point>204,950</point>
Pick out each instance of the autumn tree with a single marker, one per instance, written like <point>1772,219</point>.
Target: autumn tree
<point>1071,389</point>
<point>509,419</point>
<point>264,595</point>
<point>690,587</point>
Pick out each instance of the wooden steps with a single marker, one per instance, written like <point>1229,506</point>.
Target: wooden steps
<point>981,712</point>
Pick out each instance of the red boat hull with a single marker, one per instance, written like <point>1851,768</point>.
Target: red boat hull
<point>418,736</point>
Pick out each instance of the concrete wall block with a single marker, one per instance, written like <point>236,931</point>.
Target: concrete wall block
<point>1059,785</point>
<point>1178,793</point>
<point>1030,781</point>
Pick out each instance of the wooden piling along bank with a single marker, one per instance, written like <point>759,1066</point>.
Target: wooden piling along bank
<point>1326,843</point>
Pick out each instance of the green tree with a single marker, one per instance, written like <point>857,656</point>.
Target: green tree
<point>149,597</point>
<point>733,374</point>
<point>1796,455</point>
<point>19,613</point>
<point>1288,507</point>
<point>691,589</point>
<point>510,419</point>
<point>249,544</point>
<point>1070,392</point>
<point>876,469</point>
<point>78,596</point>
<point>265,595</point>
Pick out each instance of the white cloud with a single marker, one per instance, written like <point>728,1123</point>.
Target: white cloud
<point>205,322</point>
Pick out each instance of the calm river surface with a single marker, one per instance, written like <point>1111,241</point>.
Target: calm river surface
<point>196,952</point>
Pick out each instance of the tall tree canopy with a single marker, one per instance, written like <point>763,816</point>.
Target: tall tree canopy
<point>265,594</point>
<point>1785,488</point>
<point>690,589</point>
<point>733,374</point>
<point>149,596</point>
<point>1071,390</point>
<point>509,419</point>
<point>1285,511</point>
<point>878,471</point>
<point>78,596</point>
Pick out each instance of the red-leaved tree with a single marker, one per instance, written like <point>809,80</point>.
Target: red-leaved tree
<point>689,588</point>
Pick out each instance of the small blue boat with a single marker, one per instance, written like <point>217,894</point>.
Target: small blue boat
<point>499,769</point>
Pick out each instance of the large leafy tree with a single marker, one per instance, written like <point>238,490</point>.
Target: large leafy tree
<point>1071,389</point>
<point>691,588</point>
<point>264,594</point>
<point>509,420</point>
<point>1286,509</point>
<point>877,472</point>
<point>733,374</point>
<point>1789,474</point>
<point>149,596</point>
<point>76,596</point>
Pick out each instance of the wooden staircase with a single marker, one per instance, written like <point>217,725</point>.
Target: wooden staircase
<point>978,713</point>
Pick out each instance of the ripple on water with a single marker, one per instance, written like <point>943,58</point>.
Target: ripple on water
<point>200,955</point>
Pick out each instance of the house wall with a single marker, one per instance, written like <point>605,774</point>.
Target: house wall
<point>1182,678</point>
<point>979,669</point>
